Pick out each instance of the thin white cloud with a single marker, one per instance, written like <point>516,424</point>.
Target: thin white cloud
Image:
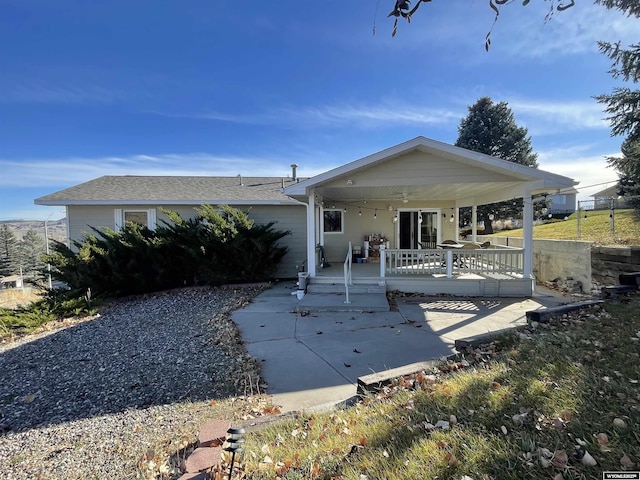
<point>58,172</point>
<point>581,164</point>
<point>544,116</point>
<point>65,93</point>
<point>522,31</point>
<point>355,116</point>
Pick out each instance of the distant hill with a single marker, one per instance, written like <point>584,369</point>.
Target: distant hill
<point>56,229</point>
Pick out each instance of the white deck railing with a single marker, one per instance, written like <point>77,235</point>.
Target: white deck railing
<point>503,261</point>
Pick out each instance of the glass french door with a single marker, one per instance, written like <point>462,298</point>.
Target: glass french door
<point>417,229</point>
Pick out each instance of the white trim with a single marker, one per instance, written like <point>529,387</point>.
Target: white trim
<point>311,236</point>
<point>119,214</point>
<point>166,202</point>
<point>462,155</point>
<point>342,219</point>
<point>437,211</point>
<point>118,220</point>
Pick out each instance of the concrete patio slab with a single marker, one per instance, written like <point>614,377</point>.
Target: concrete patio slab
<point>312,359</point>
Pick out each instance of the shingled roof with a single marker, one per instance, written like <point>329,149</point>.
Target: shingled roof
<point>176,190</point>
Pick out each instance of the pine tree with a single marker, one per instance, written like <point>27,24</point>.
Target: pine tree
<point>32,247</point>
<point>9,254</point>
<point>490,128</point>
<point>623,105</point>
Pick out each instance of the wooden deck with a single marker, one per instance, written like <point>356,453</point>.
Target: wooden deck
<point>495,272</point>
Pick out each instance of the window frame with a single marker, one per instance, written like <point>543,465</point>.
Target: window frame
<point>120,214</point>
<point>324,221</point>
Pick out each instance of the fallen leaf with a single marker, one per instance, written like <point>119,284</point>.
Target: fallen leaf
<point>495,385</point>
<point>603,441</point>
<point>355,350</point>
<point>451,459</point>
<point>588,460</point>
<point>558,424</point>
<point>363,441</point>
<point>559,459</point>
<point>619,423</point>
<point>519,418</point>
<point>347,364</point>
<point>443,424</point>
<point>626,462</point>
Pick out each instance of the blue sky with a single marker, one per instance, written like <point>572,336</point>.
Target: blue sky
<point>217,88</point>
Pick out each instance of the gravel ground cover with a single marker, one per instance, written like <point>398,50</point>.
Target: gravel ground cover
<point>87,400</point>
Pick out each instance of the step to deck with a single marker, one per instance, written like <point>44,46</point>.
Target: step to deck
<point>356,288</point>
<point>336,302</point>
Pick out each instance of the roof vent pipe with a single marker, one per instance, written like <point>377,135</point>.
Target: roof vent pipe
<point>293,171</point>
<point>240,177</point>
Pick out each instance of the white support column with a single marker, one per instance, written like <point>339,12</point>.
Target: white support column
<point>383,262</point>
<point>527,233</point>
<point>474,223</point>
<point>311,235</point>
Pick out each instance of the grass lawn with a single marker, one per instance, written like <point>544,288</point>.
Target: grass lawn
<point>556,401</point>
<point>596,228</point>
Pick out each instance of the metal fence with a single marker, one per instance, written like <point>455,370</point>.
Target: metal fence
<point>602,203</point>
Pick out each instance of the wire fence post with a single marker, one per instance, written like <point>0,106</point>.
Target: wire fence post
<point>579,220</point>
<point>612,218</point>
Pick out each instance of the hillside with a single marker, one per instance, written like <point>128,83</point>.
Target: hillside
<point>597,227</point>
<point>57,229</point>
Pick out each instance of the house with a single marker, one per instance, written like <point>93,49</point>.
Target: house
<point>110,201</point>
<point>393,210</point>
<point>608,198</point>
<point>11,281</point>
<point>563,203</point>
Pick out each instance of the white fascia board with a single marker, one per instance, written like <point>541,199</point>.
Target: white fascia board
<point>433,146</point>
<point>167,202</point>
<point>301,188</point>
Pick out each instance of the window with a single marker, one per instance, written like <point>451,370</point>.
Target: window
<point>145,218</point>
<point>135,216</point>
<point>333,221</point>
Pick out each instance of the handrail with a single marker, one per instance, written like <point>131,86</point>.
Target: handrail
<point>447,262</point>
<point>347,273</point>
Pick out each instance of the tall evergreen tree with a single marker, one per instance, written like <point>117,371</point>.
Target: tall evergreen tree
<point>623,106</point>
<point>490,128</point>
<point>32,247</point>
<point>9,253</point>
<point>628,168</point>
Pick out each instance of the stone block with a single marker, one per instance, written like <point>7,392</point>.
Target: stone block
<point>195,476</point>
<point>202,459</point>
<point>213,433</point>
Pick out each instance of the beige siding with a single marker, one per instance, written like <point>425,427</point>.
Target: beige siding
<point>410,169</point>
<point>357,226</point>
<point>288,217</point>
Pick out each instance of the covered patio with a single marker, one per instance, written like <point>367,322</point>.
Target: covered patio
<point>396,213</point>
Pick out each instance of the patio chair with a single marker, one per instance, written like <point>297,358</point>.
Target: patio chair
<point>472,258</point>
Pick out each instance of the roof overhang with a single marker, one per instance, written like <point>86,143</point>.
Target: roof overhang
<point>498,180</point>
